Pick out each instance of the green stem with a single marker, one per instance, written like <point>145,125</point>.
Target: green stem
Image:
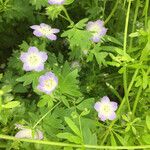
<point>45,115</point>
<point>136,100</point>
<point>146,12</point>
<point>121,105</point>
<point>138,96</point>
<point>81,131</point>
<point>61,144</point>
<point>124,50</point>
<point>112,12</point>
<point>64,17</point>
<point>67,15</point>
<point>125,99</point>
<point>134,20</point>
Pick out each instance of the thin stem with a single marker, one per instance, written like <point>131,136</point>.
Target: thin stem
<point>64,17</point>
<point>62,144</point>
<point>138,96</point>
<point>67,15</point>
<point>45,115</point>
<point>146,12</point>
<point>136,100</point>
<point>121,105</point>
<point>134,20</point>
<point>112,12</point>
<point>81,130</point>
<point>125,51</point>
<point>125,99</point>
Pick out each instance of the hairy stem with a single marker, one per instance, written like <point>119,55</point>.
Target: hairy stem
<point>62,144</point>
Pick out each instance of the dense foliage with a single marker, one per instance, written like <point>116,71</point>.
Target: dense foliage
<point>80,69</point>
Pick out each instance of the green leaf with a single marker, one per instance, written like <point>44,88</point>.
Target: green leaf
<point>67,2</point>
<point>12,104</point>
<point>82,23</point>
<point>39,3</point>
<point>70,137</point>
<point>113,40</point>
<point>121,140</point>
<point>45,99</point>
<point>72,126</point>
<point>113,141</point>
<point>146,138</point>
<point>87,103</point>
<point>53,11</point>
<point>1,75</point>
<point>69,84</point>
<point>29,78</point>
<point>7,88</point>
<point>100,57</point>
<point>145,79</point>
<point>148,121</point>
<point>77,37</point>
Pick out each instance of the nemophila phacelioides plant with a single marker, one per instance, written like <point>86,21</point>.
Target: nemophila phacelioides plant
<point>74,74</point>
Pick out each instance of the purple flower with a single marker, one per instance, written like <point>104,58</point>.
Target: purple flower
<point>106,109</point>
<point>33,59</point>
<point>44,30</point>
<point>56,2</point>
<point>47,83</point>
<point>98,30</point>
<point>27,133</point>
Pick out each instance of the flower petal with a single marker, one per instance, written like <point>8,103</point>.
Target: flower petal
<point>112,116</point>
<point>51,37</point>
<point>102,117</point>
<point>97,106</point>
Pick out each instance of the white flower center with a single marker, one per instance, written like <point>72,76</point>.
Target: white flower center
<point>50,84</point>
<point>95,28</point>
<point>106,109</point>
<point>46,30</point>
<point>34,60</point>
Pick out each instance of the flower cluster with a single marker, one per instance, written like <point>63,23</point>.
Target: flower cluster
<point>33,59</point>
<point>106,109</point>
<point>47,82</point>
<point>98,30</point>
<point>56,2</point>
<point>44,30</point>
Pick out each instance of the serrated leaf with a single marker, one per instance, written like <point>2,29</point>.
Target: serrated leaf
<point>69,84</point>
<point>45,99</point>
<point>29,78</point>
<point>100,57</point>
<point>72,126</point>
<point>53,11</point>
<point>77,37</point>
<point>82,23</point>
<point>70,137</point>
<point>39,3</point>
